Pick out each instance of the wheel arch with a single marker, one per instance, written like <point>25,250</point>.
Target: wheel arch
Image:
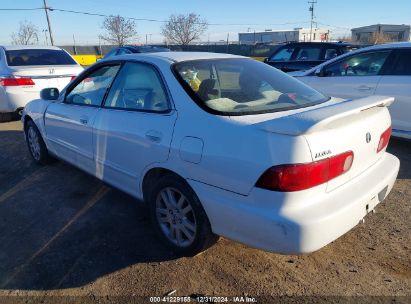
<point>153,174</point>
<point>26,119</point>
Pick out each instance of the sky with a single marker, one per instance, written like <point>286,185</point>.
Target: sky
<point>232,16</point>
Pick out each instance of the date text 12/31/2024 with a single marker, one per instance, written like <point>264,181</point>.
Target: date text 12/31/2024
<point>203,299</point>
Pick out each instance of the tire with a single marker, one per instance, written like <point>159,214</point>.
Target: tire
<point>178,217</point>
<point>6,117</point>
<point>36,145</point>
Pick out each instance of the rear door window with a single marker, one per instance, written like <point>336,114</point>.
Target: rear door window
<point>348,49</point>
<point>138,86</point>
<point>28,57</point>
<point>330,53</point>
<point>283,54</point>
<point>308,54</point>
<point>402,63</point>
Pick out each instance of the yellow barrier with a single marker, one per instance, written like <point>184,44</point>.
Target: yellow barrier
<point>259,58</point>
<point>90,59</point>
<point>86,59</point>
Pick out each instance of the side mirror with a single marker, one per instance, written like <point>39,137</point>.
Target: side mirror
<point>266,60</point>
<point>49,94</point>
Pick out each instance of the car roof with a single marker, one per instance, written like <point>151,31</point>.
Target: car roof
<point>394,45</point>
<point>143,47</point>
<point>322,43</point>
<point>178,56</point>
<point>28,47</point>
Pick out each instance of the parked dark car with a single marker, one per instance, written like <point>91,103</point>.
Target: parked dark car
<point>131,49</point>
<point>305,55</point>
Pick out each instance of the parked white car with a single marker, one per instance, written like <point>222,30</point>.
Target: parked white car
<point>378,70</point>
<point>26,70</point>
<point>218,144</point>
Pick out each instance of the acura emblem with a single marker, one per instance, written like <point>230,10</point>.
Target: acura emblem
<point>51,71</point>
<point>368,137</point>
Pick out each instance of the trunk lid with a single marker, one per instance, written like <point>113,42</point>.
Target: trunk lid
<point>46,76</point>
<point>354,125</point>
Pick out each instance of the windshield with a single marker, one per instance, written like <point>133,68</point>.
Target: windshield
<point>243,86</point>
<point>38,57</point>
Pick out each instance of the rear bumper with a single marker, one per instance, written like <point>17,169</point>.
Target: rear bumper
<point>16,97</point>
<point>4,102</point>
<point>295,223</point>
<point>13,98</point>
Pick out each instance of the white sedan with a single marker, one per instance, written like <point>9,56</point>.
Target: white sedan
<point>377,70</point>
<point>218,144</point>
<point>26,70</point>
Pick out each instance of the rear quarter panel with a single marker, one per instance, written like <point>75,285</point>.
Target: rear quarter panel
<point>235,155</point>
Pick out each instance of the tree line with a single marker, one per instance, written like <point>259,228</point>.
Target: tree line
<point>180,29</point>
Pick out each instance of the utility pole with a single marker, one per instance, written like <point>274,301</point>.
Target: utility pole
<point>74,45</point>
<point>311,9</point>
<point>45,36</point>
<point>46,8</point>
<point>99,46</point>
<point>147,35</point>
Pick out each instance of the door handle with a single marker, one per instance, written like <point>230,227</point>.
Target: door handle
<point>154,136</point>
<point>365,88</point>
<point>84,120</point>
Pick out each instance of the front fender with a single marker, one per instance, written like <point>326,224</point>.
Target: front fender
<point>36,109</point>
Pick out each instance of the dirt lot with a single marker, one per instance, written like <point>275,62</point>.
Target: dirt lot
<point>62,232</point>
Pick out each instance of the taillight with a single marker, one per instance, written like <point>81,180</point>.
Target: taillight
<point>72,77</point>
<point>384,139</point>
<point>15,81</point>
<point>296,177</point>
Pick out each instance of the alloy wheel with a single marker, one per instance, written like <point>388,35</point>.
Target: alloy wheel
<point>176,217</point>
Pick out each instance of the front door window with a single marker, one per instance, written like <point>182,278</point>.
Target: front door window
<point>91,89</point>
<point>364,64</point>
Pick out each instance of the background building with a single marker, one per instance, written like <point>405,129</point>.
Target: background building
<point>281,36</point>
<point>393,32</point>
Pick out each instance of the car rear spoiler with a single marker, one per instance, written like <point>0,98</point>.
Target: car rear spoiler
<point>317,119</point>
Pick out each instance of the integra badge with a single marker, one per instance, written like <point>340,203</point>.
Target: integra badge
<point>323,153</point>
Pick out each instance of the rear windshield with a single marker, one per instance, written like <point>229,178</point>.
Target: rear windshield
<point>243,87</point>
<point>38,57</point>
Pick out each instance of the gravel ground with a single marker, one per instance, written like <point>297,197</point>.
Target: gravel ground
<point>66,234</point>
